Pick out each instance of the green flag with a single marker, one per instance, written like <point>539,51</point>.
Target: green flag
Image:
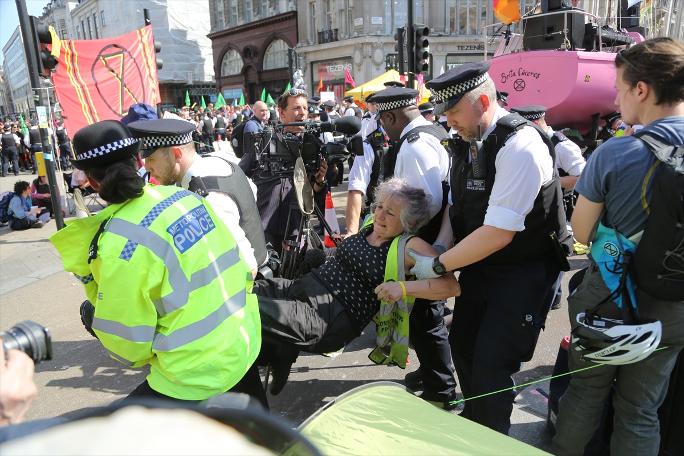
<point>187,99</point>
<point>22,125</point>
<point>203,105</point>
<point>269,100</point>
<point>220,101</point>
<point>288,87</point>
<point>263,94</point>
<point>242,100</point>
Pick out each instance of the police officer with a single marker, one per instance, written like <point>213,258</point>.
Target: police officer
<point>421,160</point>
<point>34,143</point>
<point>427,111</point>
<point>505,205</point>
<point>64,146</point>
<point>10,151</point>
<point>220,125</point>
<point>276,197</point>
<point>170,157</point>
<point>165,276</point>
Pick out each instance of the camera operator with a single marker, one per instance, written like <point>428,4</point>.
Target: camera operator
<point>276,197</point>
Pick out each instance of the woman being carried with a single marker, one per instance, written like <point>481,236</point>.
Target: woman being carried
<point>325,309</point>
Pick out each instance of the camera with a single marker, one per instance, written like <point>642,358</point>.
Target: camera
<point>29,337</point>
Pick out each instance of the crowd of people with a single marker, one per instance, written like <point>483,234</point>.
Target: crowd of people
<point>179,276</point>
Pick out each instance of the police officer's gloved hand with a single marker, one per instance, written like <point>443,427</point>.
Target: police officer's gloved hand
<point>423,266</point>
<point>87,314</point>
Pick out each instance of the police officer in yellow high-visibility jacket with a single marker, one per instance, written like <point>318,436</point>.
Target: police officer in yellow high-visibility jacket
<point>165,276</point>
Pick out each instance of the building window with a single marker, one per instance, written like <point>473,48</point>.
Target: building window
<point>97,34</point>
<point>90,30</point>
<point>276,55</point>
<point>78,33</point>
<point>232,63</point>
<point>102,19</point>
<point>312,22</point>
<point>83,30</point>
<point>454,60</point>
<point>230,10</point>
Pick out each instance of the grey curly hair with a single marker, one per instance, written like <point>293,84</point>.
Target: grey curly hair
<point>416,210</point>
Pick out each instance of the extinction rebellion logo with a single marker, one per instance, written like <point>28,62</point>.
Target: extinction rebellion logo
<point>517,77</point>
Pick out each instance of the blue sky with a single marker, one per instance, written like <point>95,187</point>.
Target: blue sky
<point>10,19</point>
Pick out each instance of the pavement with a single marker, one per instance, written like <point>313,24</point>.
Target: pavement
<point>35,287</point>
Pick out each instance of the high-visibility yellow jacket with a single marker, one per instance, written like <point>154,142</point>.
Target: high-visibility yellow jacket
<point>170,290</point>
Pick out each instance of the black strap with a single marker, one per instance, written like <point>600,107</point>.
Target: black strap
<point>92,251</point>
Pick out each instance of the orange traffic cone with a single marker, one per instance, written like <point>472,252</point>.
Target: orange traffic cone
<point>331,218</point>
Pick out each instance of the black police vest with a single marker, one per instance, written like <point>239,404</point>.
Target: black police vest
<point>34,136</point>
<point>207,126</point>
<point>237,187</point>
<point>471,198</point>
<point>62,137</point>
<point>8,143</point>
<point>220,122</point>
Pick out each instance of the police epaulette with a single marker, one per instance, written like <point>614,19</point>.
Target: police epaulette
<point>413,136</point>
<point>512,121</point>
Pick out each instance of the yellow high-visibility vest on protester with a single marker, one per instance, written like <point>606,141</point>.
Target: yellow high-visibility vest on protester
<point>170,290</point>
<point>392,319</point>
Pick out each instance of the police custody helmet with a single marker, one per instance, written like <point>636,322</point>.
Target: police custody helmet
<point>103,143</point>
<point>449,88</point>
<point>608,341</point>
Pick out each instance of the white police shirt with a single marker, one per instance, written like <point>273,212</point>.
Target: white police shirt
<point>223,205</point>
<point>360,172</point>
<point>568,156</point>
<point>522,165</point>
<point>423,163</point>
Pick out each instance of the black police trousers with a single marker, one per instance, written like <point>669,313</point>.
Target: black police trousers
<point>496,324</point>
<point>429,337</point>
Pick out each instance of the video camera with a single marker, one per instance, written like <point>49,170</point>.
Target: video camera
<point>278,157</point>
<point>29,337</point>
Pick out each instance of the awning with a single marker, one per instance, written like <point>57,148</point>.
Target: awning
<point>363,91</point>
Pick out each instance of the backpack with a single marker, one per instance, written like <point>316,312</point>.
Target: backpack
<point>5,198</point>
<point>236,141</point>
<point>658,263</point>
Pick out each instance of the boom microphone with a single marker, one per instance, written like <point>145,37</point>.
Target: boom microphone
<point>348,125</point>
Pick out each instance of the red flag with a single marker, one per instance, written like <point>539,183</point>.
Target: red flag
<point>348,78</point>
<point>320,86</point>
<point>100,79</point>
<point>507,11</point>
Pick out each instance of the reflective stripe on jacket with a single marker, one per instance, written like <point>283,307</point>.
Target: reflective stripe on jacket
<point>169,289</point>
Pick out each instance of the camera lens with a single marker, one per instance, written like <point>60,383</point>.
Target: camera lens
<point>29,337</point>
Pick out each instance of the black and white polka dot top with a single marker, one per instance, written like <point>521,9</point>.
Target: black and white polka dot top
<point>354,272</point>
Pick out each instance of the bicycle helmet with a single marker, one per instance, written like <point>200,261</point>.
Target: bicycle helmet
<point>608,341</point>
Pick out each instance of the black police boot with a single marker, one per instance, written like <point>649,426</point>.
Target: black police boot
<point>414,380</point>
<point>281,372</point>
<point>452,404</point>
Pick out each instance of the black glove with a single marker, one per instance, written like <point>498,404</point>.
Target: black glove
<point>87,313</point>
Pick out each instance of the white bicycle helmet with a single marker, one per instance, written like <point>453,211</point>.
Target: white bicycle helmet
<point>607,341</point>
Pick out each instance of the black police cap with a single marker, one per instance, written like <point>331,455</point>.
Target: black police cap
<point>449,88</point>
<point>393,98</point>
<point>394,84</point>
<point>531,112</point>
<point>103,143</point>
<point>155,134</point>
<point>426,107</point>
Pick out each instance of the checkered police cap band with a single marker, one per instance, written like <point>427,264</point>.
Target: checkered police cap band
<point>395,104</point>
<point>106,149</point>
<point>535,116</point>
<point>155,142</point>
<point>459,89</point>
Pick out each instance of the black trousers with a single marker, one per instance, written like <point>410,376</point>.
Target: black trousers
<point>250,385</point>
<point>495,328</point>
<point>430,339</point>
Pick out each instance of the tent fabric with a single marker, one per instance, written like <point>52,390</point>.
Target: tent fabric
<point>363,91</point>
<point>382,418</point>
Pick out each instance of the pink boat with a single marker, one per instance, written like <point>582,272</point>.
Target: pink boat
<point>550,64</point>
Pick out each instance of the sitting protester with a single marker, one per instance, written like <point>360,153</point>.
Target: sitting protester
<point>325,309</point>
<point>21,211</point>
<point>40,193</point>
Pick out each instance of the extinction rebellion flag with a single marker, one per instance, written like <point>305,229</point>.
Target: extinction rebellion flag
<point>100,79</point>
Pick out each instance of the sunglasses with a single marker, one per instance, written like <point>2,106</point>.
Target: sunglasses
<point>297,92</point>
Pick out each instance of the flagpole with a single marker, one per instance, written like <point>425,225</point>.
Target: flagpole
<point>30,48</point>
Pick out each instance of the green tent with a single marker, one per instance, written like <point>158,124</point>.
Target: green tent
<point>269,100</point>
<point>220,101</point>
<point>187,99</point>
<point>382,418</point>
<point>288,87</point>
<point>242,100</point>
<point>263,94</point>
<point>203,105</point>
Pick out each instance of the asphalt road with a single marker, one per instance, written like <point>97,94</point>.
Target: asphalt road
<point>81,375</point>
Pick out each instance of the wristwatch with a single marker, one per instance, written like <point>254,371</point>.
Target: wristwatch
<point>437,266</point>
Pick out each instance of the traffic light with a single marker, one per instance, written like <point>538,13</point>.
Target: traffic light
<point>421,48</point>
<point>157,50</point>
<point>46,36</point>
<point>402,51</point>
